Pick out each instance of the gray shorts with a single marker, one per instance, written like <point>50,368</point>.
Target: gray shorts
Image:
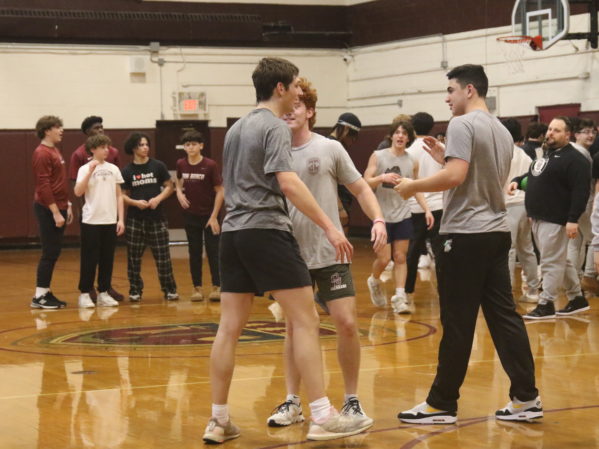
<point>333,282</point>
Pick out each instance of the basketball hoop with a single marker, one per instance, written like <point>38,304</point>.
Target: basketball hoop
<point>514,48</point>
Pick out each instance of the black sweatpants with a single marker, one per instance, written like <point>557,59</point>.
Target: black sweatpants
<point>418,245</point>
<point>51,240</point>
<point>474,273</point>
<point>197,233</point>
<point>97,251</point>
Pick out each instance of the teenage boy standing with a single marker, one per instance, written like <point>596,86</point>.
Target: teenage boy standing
<point>200,193</point>
<point>258,252</point>
<point>51,207</point>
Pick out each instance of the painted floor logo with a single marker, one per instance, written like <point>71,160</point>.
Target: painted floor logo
<point>182,334</point>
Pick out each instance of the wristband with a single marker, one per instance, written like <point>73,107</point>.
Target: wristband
<point>378,220</point>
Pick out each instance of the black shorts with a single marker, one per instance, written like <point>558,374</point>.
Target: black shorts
<point>261,260</point>
<point>402,230</point>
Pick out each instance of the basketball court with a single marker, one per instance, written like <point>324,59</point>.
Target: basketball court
<point>137,376</point>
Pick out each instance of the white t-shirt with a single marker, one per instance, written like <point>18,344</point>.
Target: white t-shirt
<point>519,166</point>
<point>100,196</point>
<point>427,166</point>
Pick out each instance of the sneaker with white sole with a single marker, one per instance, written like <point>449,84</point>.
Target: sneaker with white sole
<point>336,426</point>
<point>217,433</point>
<point>517,410</point>
<point>402,303</point>
<point>377,295</point>
<point>531,296</point>
<point>105,300</point>
<point>85,301</point>
<point>134,297</point>
<point>576,305</point>
<point>47,301</point>
<point>425,414</point>
<point>214,294</point>
<point>424,261</point>
<point>197,294</point>
<point>541,312</point>
<point>353,409</point>
<point>171,296</point>
<point>285,414</point>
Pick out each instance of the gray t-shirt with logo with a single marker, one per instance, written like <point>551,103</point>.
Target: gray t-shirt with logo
<point>256,147</point>
<point>321,164</point>
<point>394,207</point>
<point>478,204</point>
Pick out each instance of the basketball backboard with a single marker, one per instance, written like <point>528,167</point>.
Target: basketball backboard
<point>545,20</point>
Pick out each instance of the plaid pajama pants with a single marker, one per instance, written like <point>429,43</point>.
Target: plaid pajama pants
<point>153,233</point>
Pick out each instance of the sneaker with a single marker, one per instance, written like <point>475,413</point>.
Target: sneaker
<point>214,294</point>
<point>425,414</point>
<point>541,312</point>
<point>336,426</point>
<point>277,311</point>
<point>285,414</point>
<point>171,296</point>
<point>51,295</point>
<point>216,433</point>
<point>134,297</point>
<point>424,261</point>
<point>531,296</point>
<point>402,304</point>
<point>47,301</point>
<point>85,301</point>
<point>521,411</point>
<point>387,273</point>
<point>115,295</point>
<point>197,294</point>
<point>377,295</point>
<point>105,300</point>
<point>578,304</point>
<point>590,284</point>
<point>353,409</point>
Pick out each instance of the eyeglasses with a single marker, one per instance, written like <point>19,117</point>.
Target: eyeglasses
<point>588,131</point>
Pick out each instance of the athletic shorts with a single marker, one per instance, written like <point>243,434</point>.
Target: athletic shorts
<point>400,231</point>
<point>261,260</point>
<point>333,282</point>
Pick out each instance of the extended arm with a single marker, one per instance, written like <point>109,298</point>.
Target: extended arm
<point>367,200</point>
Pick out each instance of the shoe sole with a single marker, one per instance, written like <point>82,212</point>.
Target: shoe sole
<point>213,440</point>
<point>273,423</point>
<point>546,317</point>
<point>573,312</point>
<point>39,306</point>
<point>522,416</point>
<point>430,420</point>
<point>334,436</point>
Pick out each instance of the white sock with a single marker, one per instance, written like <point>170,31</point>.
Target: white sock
<point>293,398</point>
<point>320,410</point>
<point>41,291</point>
<point>347,397</point>
<point>221,413</point>
<point>400,291</point>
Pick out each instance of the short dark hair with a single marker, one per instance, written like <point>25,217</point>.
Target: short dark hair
<point>192,136</point>
<point>585,123</point>
<point>134,140</point>
<point>514,127</point>
<point>566,121</point>
<point>90,121</point>
<point>269,72</point>
<point>471,74</point>
<point>405,124</point>
<point>423,123</point>
<point>96,141</point>
<point>536,130</point>
<point>45,123</point>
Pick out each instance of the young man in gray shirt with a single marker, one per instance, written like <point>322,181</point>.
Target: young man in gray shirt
<point>259,254</point>
<point>321,164</point>
<point>474,263</point>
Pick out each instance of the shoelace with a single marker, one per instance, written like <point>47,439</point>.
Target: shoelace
<point>284,407</point>
<point>353,405</point>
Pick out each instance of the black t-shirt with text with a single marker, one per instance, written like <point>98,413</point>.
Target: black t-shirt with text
<point>144,182</point>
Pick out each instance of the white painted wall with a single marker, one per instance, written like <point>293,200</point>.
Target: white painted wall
<point>76,81</point>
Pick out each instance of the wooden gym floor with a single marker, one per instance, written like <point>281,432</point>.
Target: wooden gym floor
<point>137,376</point>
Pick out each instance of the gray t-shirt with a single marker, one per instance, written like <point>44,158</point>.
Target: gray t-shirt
<point>256,147</point>
<point>321,164</point>
<point>394,207</point>
<point>478,204</point>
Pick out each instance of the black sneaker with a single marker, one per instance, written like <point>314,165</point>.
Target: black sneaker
<point>64,304</point>
<point>47,301</point>
<point>541,312</point>
<point>578,304</point>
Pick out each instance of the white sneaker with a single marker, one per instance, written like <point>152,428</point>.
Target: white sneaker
<point>424,261</point>
<point>425,414</point>
<point>105,300</point>
<point>277,311</point>
<point>402,304</point>
<point>336,426</point>
<point>387,273</point>
<point>85,301</point>
<point>521,411</point>
<point>197,294</point>
<point>286,414</point>
<point>377,295</point>
<point>531,295</point>
<point>353,409</point>
<point>171,296</point>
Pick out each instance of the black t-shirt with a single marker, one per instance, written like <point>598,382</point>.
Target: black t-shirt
<point>144,182</point>
<point>596,166</point>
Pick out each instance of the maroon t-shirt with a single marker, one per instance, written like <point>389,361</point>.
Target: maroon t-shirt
<point>80,158</point>
<point>50,177</point>
<point>199,181</point>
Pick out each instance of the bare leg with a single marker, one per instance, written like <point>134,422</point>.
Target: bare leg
<point>343,313</point>
<point>235,311</point>
<point>292,374</point>
<point>298,305</point>
<point>400,267</point>
<point>382,259</point>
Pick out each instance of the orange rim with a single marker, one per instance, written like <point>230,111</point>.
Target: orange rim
<point>536,42</point>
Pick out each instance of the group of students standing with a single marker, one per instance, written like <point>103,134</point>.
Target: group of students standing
<point>142,186</point>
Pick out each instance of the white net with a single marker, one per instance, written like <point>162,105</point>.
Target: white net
<point>514,49</point>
